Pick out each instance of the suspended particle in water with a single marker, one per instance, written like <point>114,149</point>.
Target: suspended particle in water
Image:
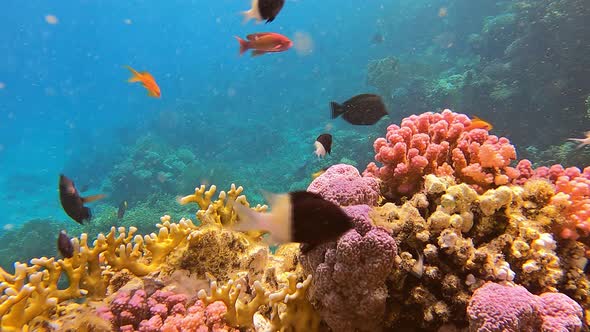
<point>442,12</point>
<point>51,19</point>
<point>128,21</point>
<point>303,43</point>
<point>2,85</point>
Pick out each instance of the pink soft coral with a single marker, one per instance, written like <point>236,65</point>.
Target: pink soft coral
<point>496,307</point>
<point>343,185</point>
<point>163,311</point>
<point>438,143</point>
<point>573,198</point>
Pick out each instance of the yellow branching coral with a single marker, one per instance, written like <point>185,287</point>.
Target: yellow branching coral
<point>32,290</point>
<point>219,211</point>
<point>289,308</point>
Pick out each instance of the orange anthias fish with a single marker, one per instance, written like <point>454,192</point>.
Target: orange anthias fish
<point>147,80</point>
<point>264,42</point>
<point>477,123</point>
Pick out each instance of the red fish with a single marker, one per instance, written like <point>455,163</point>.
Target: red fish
<point>147,80</point>
<point>264,42</point>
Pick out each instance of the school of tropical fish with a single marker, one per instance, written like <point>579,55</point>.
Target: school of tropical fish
<point>296,215</point>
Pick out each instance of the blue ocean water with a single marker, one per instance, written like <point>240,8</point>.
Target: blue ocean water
<point>65,95</point>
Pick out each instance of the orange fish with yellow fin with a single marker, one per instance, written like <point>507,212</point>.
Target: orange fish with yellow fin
<point>477,123</point>
<point>147,80</point>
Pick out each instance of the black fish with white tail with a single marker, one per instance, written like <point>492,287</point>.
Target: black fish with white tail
<point>323,145</point>
<point>365,109</point>
<point>72,202</point>
<point>121,210</point>
<point>64,245</point>
<point>263,10</point>
<point>298,216</point>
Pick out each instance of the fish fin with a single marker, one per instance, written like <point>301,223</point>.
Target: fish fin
<point>244,45</point>
<point>250,220</point>
<point>152,94</point>
<point>92,198</point>
<point>252,13</point>
<point>136,75</point>
<point>337,109</point>
<point>257,53</point>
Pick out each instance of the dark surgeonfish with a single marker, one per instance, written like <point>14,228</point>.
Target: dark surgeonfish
<point>263,10</point>
<point>298,216</point>
<point>121,210</point>
<point>323,144</point>
<point>364,109</point>
<point>71,201</point>
<point>64,245</point>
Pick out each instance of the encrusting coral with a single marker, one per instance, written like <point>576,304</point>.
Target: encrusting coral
<point>497,307</point>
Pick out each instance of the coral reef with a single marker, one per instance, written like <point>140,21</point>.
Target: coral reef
<point>383,74</point>
<point>436,228</point>
<point>342,184</point>
<point>349,287</point>
<point>440,143</point>
<point>33,292</point>
<point>497,307</point>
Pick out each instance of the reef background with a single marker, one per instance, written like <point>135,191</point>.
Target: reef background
<point>65,107</point>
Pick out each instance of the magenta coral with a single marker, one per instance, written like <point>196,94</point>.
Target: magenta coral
<point>496,307</point>
<point>349,275</point>
<point>343,185</point>
<point>438,143</point>
<point>163,311</point>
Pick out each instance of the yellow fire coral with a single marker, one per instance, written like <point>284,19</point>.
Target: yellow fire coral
<point>32,290</point>
<point>290,309</point>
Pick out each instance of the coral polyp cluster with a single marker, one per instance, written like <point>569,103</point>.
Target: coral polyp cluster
<point>441,144</point>
<point>447,233</point>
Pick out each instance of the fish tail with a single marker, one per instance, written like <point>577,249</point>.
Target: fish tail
<point>92,198</point>
<point>250,220</point>
<point>135,77</point>
<point>337,109</point>
<point>248,15</point>
<point>244,45</point>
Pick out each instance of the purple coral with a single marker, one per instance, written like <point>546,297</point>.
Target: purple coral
<point>349,275</point>
<point>496,307</point>
<point>343,185</point>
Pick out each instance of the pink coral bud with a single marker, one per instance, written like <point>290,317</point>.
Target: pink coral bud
<point>159,309</point>
<point>512,173</point>
<point>413,153</point>
<point>567,233</point>
<point>420,142</point>
<point>379,143</point>
<point>419,163</point>
<point>400,170</point>
<point>178,308</point>
<point>438,131</point>
<point>572,172</point>
<point>454,132</point>
<point>501,180</point>
<point>489,157</point>
<point>478,135</point>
